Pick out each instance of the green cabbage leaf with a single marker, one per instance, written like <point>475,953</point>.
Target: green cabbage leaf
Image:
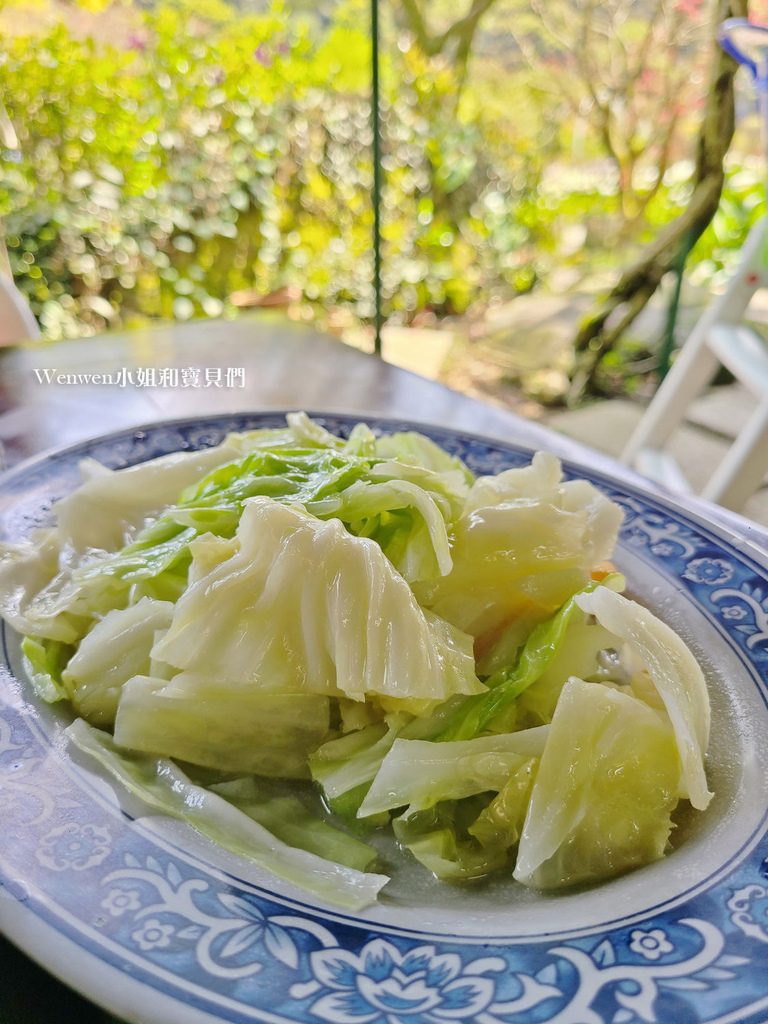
<point>557,648</point>
<point>525,542</point>
<point>116,649</point>
<point>675,673</point>
<point>421,773</point>
<point>215,724</point>
<point>159,786</point>
<point>301,605</point>
<point>290,819</point>
<point>604,792</point>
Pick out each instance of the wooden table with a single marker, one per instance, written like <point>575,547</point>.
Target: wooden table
<point>284,366</point>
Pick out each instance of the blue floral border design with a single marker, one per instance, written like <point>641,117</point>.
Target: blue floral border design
<point>237,953</point>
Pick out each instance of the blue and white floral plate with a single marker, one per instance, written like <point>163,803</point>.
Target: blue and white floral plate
<point>162,927</point>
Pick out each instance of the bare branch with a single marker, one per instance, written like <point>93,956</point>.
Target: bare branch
<point>599,332</point>
<point>464,32</point>
<point>460,33</point>
<point>417,24</point>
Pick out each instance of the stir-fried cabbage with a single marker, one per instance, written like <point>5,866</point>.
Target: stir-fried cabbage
<point>301,606</point>
<point>436,654</point>
<point>523,544</point>
<point>158,786</point>
<point>676,675</point>
<point>605,789</point>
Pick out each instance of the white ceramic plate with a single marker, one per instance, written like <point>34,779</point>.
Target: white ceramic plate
<point>162,927</point>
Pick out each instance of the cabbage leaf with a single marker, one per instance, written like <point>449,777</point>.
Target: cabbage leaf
<point>160,787</point>
<point>215,724</point>
<point>557,648</point>
<point>675,673</point>
<point>525,542</point>
<point>421,773</point>
<point>110,504</point>
<point>117,648</point>
<point>44,661</point>
<point>604,792</point>
<point>302,604</point>
<point>289,820</point>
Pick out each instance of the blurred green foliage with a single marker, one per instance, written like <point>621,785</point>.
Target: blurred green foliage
<point>211,152</point>
<point>216,152</point>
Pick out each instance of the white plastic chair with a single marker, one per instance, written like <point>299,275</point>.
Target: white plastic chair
<point>16,320</point>
<point>719,338</point>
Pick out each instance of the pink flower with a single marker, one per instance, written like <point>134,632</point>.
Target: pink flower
<point>690,7</point>
<point>262,56</point>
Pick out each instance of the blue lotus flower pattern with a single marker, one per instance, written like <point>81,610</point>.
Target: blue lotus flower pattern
<point>383,985</point>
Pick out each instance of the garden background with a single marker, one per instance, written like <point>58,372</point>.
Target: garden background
<point>191,158</point>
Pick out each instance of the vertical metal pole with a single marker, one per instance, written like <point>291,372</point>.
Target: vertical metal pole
<point>667,346</point>
<point>376,126</point>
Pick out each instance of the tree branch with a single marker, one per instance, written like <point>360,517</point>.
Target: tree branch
<point>601,329</point>
<point>464,32</point>
<point>416,21</point>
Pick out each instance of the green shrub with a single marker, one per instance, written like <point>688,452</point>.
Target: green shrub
<point>211,152</point>
<point>207,157</point>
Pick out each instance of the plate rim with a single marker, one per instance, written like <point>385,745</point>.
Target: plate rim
<point>630,478</point>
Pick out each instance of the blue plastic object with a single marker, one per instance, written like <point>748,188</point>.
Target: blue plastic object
<point>747,43</point>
